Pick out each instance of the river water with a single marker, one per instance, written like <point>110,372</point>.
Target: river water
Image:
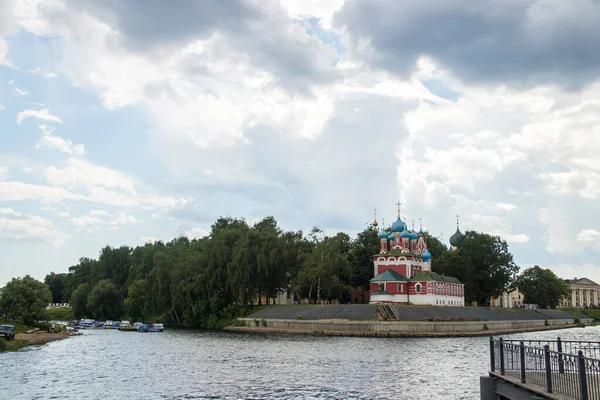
<point>108,364</point>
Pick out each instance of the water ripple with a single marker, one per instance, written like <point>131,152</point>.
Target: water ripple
<point>193,365</point>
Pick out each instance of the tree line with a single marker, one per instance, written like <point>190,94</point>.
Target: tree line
<point>207,282</point>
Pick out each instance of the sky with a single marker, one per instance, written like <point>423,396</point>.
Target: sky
<point>123,122</point>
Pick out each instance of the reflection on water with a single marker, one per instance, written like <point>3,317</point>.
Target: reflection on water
<point>192,365</point>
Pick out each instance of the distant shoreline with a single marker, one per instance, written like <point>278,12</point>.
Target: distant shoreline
<point>410,321</point>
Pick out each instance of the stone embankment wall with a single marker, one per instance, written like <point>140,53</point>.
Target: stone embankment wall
<point>385,328</point>
<point>362,320</point>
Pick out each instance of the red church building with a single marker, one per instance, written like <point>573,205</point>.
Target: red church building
<point>402,271</point>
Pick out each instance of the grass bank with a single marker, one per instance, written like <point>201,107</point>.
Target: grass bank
<point>23,339</point>
<point>60,314</point>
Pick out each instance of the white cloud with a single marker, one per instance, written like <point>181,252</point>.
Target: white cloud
<point>122,218</point>
<point>50,75</point>
<point>16,191</point>
<point>18,226</point>
<point>195,233</point>
<point>588,235</point>
<point>3,172</point>
<point>99,213</point>
<point>56,142</point>
<point>79,173</point>
<point>322,10</point>
<point>87,220</point>
<point>43,114</point>
<point>22,92</point>
<point>97,218</point>
<point>559,232</point>
<point>506,206</point>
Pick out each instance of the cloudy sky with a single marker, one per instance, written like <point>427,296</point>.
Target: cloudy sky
<point>128,121</point>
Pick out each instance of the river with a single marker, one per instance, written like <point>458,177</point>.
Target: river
<point>107,364</point>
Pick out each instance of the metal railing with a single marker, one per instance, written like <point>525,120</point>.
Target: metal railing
<point>571,368</point>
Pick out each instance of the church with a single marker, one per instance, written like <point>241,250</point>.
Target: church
<point>402,270</point>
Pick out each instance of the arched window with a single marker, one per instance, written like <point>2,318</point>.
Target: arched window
<point>418,288</point>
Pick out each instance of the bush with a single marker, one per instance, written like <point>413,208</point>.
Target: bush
<point>263,323</point>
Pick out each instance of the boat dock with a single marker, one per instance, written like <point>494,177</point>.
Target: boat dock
<point>542,369</point>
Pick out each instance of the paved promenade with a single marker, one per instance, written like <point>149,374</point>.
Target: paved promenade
<point>368,312</point>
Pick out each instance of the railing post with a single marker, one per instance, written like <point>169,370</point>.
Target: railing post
<point>561,361</point>
<point>522,354</point>
<point>492,354</point>
<point>548,369</point>
<point>583,387</point>
<point>501,342</point>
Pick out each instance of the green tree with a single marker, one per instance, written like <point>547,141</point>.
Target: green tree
<point>483,263</point>
<point>58,284</point>
<point>135,303</point>
<point>436,248</point>
<point>25,299</point>
<point>105,301</point>
<point>542,287</point>
<point>362,250</point>
<point>79,300</point>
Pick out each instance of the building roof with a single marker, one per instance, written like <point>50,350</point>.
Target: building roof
<point>584,281</point>
<point>432,276</point>
<point>389,276</point>
<point>454,238</point>
<point>398,225</point>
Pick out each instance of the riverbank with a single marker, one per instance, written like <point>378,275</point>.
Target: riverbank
<point>411,321</point>
<point>31,339</point>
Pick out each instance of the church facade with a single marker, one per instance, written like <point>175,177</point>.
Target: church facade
<point>402,270</point>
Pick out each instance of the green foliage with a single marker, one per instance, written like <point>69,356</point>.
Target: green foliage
<point>60,314</point>
<point>593,313</point>
<point>105,301</point>
<point>79,300</point>
<point>137,298</point>
<point>58,284</point>
<point>210,282</point>
<point>25,300</point>
<point>436,248</point>
<point>542,287</point>
<point>482,262</point>
<point>362,250</point>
